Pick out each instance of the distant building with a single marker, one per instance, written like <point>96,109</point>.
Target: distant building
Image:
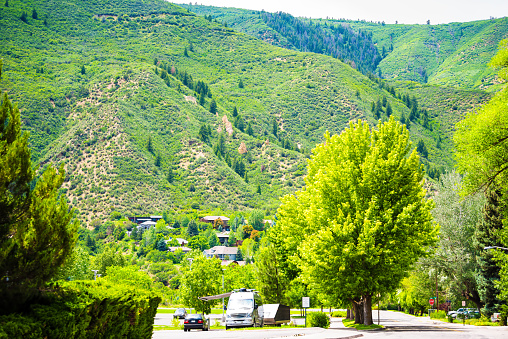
<point>212,218</point>
<point>183,248</point>
<point>146,225</point>
<point>222,252</point>
<point>223,238</point>
<point>140,220</point>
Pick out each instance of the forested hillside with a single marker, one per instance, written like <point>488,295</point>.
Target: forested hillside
<point>451,55</point>
<point>153,108</point>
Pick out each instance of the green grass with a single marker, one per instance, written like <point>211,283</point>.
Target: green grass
<point>351,323</point>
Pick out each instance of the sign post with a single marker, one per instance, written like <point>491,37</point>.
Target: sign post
<point>305,305</point>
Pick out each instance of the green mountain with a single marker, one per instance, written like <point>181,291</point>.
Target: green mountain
<point>138,99</point>
<point>452,55</point>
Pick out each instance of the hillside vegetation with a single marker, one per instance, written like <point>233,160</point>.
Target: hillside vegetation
<point>153,108</point>
<point>451,55</point>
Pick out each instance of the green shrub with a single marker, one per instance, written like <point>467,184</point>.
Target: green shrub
<point>438,315</point>
<point>85,309</point>
<point>18,326</point>
<point>318,319</point>
<point>339,314</point>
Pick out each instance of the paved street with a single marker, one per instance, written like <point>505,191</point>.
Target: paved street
<point>397,325</point>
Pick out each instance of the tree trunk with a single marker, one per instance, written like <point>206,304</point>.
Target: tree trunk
<point>348,314</point>
<point>367,310</point>
<point>357,309</point>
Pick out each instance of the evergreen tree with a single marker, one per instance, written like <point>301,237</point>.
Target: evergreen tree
<point>240,84</point>
<point>158,160</point>
<point>149,144</point>
<point>487,234</point>
<point>239,123</point>
<point>30,217</point>
<point>192,229</point>
<point>388,110</point>
<point>235,112</point>
<point>6,3</point>
<point>161,245</point>
<point>185,52</point>
<point>275,128</point>
<point>171,176</point>
<point>24,17</point>
<point>34,14</point>
<point>422,149</point>
<point>250,131</point>
<point>213,107</point>
<point>134,233</point>
<point>83,70</point>
<point>202,98</point>
<point>258,191</point>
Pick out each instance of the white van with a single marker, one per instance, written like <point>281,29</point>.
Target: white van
<point>245,309</point>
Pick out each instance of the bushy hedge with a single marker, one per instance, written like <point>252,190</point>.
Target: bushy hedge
<point>318,319</point>
<point>85,309</point>
<point>339,314</point>
<point>438,315</point>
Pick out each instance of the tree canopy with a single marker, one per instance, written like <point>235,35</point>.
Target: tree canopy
<point>362,219</point>
<point>482,137</point>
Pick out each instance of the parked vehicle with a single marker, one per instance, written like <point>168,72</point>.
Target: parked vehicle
<point>196,322</point>
<point>245,309</point>
<point>466,312</point>
<point>180,313</point>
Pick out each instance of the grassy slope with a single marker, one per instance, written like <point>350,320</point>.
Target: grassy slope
<point>98,123</point>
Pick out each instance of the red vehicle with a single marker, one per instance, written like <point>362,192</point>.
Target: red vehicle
<point>195,321</point>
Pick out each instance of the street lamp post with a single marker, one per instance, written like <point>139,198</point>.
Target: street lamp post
<point>95,274</point>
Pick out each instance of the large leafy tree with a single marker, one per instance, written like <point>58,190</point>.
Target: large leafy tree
<point>271,282</point>
<point>456,255</point>
<point>482,137</point>
<point>200,279</point>
<point>482,154</point>
<point>37,233</point>
<point>362,219</point>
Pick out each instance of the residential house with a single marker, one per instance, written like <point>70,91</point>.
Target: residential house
<point>223,238</point>
<point>211,219</point>
<point>222,252</point>
<point>146,225</point>
<point>140,220</point>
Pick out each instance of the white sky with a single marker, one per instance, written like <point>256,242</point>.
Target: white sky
<point>389,11</point>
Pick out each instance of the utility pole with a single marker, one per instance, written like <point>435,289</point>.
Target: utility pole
<point>437,295</point>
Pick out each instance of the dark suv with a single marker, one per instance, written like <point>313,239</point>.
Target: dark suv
<point>195,321</point>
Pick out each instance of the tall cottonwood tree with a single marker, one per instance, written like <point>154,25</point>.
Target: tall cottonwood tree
<point>362,219</point>
<point>456,255</point>
<point>481,141</point>
<point>37,233</point>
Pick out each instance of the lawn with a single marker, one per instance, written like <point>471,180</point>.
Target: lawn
<point>351,323</point>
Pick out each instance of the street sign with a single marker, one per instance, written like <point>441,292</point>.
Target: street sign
<point>305,302</point>
<point>463,303</point>
<point>431,302</point>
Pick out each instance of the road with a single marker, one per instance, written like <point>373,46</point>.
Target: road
<point>397,325</point>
